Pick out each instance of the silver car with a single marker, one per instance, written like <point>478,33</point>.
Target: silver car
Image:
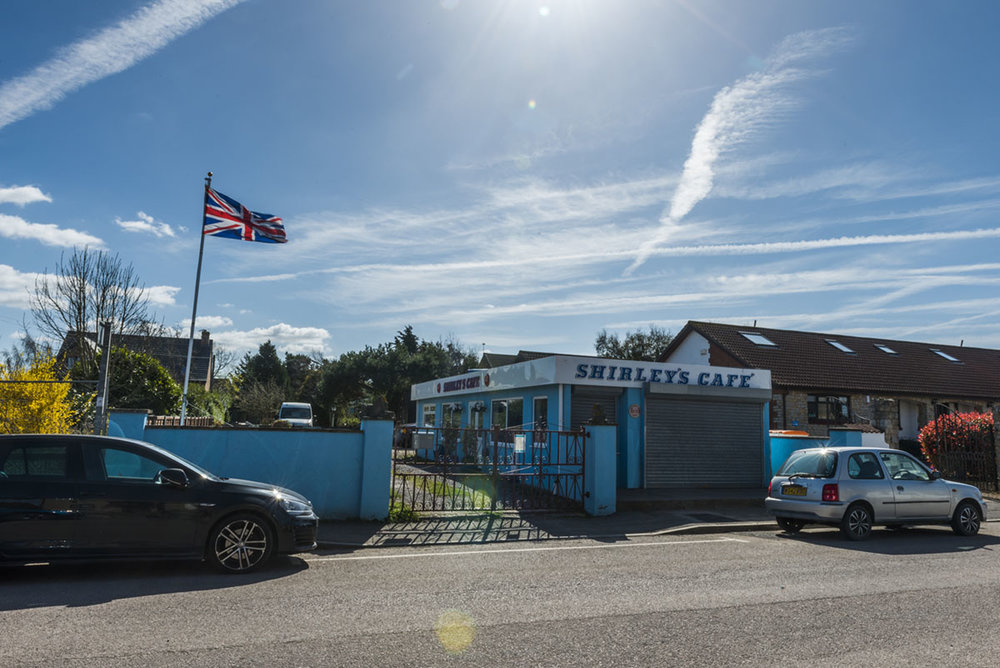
<point>856,488</point>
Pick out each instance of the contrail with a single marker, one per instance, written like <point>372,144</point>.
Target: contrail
<point>110,51</point>
<point>736,114</point>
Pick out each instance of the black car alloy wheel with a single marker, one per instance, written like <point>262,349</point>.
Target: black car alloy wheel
<point>966,520</point>
<point>857,522</point>
<point>240,544</point>
<point>790,525</point>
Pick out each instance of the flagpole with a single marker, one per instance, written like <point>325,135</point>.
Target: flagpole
<point>194,309</point>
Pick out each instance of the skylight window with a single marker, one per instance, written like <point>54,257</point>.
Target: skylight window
<point>759,339</point>
<point>945,355</point>
<point>840,346</point>
<point>886,349</point>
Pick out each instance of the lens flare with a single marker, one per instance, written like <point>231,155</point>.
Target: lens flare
<point>455,630</point>
<point>531,104</point>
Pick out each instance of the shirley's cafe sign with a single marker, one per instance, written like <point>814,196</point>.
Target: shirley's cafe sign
<point>592,371</point>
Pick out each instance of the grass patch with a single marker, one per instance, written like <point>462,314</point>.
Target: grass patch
<point>400,513</point>
<point>462,496</point>
<point>473,494</point>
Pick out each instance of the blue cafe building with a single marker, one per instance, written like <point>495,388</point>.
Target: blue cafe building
<point>677,425</point>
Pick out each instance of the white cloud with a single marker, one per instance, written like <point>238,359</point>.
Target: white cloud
<point>21,195</point>
<point>767,247</point>
<point>737,113</point>
<point>207,322</point>
<point>14,286</point>
<point>162,295</point>
<point>113,49</point>
<point>146,223</point>
<point>286,338</point>
<point>15,227</point>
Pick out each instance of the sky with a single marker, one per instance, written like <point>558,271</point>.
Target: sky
<point>513,174</point>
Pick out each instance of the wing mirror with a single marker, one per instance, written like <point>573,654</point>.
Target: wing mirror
<point>935,475</point>
<point>172,478</point>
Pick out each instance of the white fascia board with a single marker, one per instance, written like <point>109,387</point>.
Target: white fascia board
<point>596,372</point>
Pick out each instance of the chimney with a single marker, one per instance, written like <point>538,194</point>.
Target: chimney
<point>204,336</point>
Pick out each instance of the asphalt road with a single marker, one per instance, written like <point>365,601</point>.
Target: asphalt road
<point>917,597</point>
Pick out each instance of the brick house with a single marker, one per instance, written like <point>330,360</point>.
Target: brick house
<point>170,351</point>
<point>823,380</point>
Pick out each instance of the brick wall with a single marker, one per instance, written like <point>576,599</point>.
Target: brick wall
<point>880,411</point>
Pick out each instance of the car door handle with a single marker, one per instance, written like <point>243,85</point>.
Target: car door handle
<point>899,488</point>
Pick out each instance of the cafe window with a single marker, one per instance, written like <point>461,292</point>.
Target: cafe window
<point>430,415</point>
<point>477,410</point>
<point>825,409</point>
<point>451,416</point>
<point>541,412</point>
<point>507,413</point>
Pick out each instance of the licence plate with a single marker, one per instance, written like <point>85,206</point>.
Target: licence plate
<point>793,490</point>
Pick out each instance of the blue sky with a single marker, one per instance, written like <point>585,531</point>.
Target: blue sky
<point>519,174</point>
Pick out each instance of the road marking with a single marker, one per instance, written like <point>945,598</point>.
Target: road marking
<point>522,549</point>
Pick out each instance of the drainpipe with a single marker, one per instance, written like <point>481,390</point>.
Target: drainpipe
<point>562,416</point>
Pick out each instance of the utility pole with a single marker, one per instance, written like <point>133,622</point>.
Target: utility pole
<point>100,416</point>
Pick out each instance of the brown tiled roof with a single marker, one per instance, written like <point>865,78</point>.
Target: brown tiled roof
<point>170,351</point>
<point>806,360</point>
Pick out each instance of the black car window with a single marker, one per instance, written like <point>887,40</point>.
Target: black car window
<point>864,466</point>
<point>49,461</point>
<point>126,465</point>
<point>810,464</point>
<point>903,467</point>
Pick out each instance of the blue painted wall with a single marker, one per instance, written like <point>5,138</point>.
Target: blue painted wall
<point>599,470</point>
<point>346,475</point>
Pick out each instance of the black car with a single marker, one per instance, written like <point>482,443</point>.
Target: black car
<point>93,497</point>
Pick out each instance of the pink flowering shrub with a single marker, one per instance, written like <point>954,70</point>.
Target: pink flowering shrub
<point>956,432</point>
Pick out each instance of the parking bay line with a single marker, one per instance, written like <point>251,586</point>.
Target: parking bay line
<point>523,549</point>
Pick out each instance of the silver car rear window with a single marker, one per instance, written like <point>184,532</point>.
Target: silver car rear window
<point>810,463</point>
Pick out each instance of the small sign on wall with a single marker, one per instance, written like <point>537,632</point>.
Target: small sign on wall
<point>519,443</point>
<point>634,410</point>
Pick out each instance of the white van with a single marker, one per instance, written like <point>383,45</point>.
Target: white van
<point>296,414</point>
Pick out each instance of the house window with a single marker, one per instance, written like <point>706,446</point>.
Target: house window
<point>946,355</point>
<point>886,349</point>
<point>759,339</point>
<point>507,413</point>
<point>827,409</point>
<point>430,415</point>
<point>840,346</point>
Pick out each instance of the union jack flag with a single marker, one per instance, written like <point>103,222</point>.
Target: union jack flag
<point>225,217</point>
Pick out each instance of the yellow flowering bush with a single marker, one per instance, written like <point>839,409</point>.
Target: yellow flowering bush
<point>34,407</point>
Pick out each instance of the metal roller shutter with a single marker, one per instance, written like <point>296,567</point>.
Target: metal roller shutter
<point>699,443</point>
<point>584,399</point>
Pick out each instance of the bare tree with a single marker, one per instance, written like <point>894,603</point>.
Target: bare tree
<point>85,289</point>
<point>26,353</point>
<point>225,361</point>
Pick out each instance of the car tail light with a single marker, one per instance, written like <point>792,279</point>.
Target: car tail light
<point>831,492</point>
<point>769,488</point>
